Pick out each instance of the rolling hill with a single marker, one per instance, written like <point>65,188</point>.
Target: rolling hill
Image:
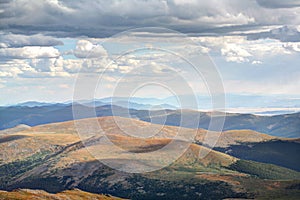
<point>57,160</point>
<point>75,194</point>
<point>24,194</point>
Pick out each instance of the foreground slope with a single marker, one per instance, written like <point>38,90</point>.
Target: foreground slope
<point>25,194</point>
<point>52,157</point>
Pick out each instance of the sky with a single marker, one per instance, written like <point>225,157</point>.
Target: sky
<point>47,46</point>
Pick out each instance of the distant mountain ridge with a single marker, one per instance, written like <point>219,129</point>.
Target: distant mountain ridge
<point>133,104</point>
<point>235,103</point>
<point>33,104</point>
<point>287,125</point>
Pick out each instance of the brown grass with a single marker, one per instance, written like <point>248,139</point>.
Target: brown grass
<point>122,132</point>
<point>25,194</point>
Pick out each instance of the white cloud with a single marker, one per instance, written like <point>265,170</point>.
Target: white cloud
<point>292,46</point>
<point>86,49</point>
<point>235,53</point>
<point>29,52</point>
<point>256,62</point>
<point>34,68</point>
<point>11,73</point>
<point>239,49</point>
<point>70,65</point>
<point>53,67</point>
<point>13,68</point>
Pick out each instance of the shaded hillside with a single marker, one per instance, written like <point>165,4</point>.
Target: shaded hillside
<point>264,171</point>
<point>284,153</point>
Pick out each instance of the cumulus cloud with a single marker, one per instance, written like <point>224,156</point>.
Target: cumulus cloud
<point>13,68</point>
<point>239,49</point>
<point>34,68</point>
<point>235,53</point>
<point>292,46</point>
<point>86,49</point>
<point>55,67</point>
<point>29,52</point>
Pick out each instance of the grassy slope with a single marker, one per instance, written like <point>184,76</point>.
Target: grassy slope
<point>67,158</point>
<point>24,194</point>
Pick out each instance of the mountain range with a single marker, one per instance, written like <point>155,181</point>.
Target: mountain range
<point>286,125</point>
<point>234,103</point>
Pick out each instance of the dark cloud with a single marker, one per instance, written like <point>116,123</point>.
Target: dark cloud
<point>284,34</point>
<point>279,3</point>
<point>99,18</point>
